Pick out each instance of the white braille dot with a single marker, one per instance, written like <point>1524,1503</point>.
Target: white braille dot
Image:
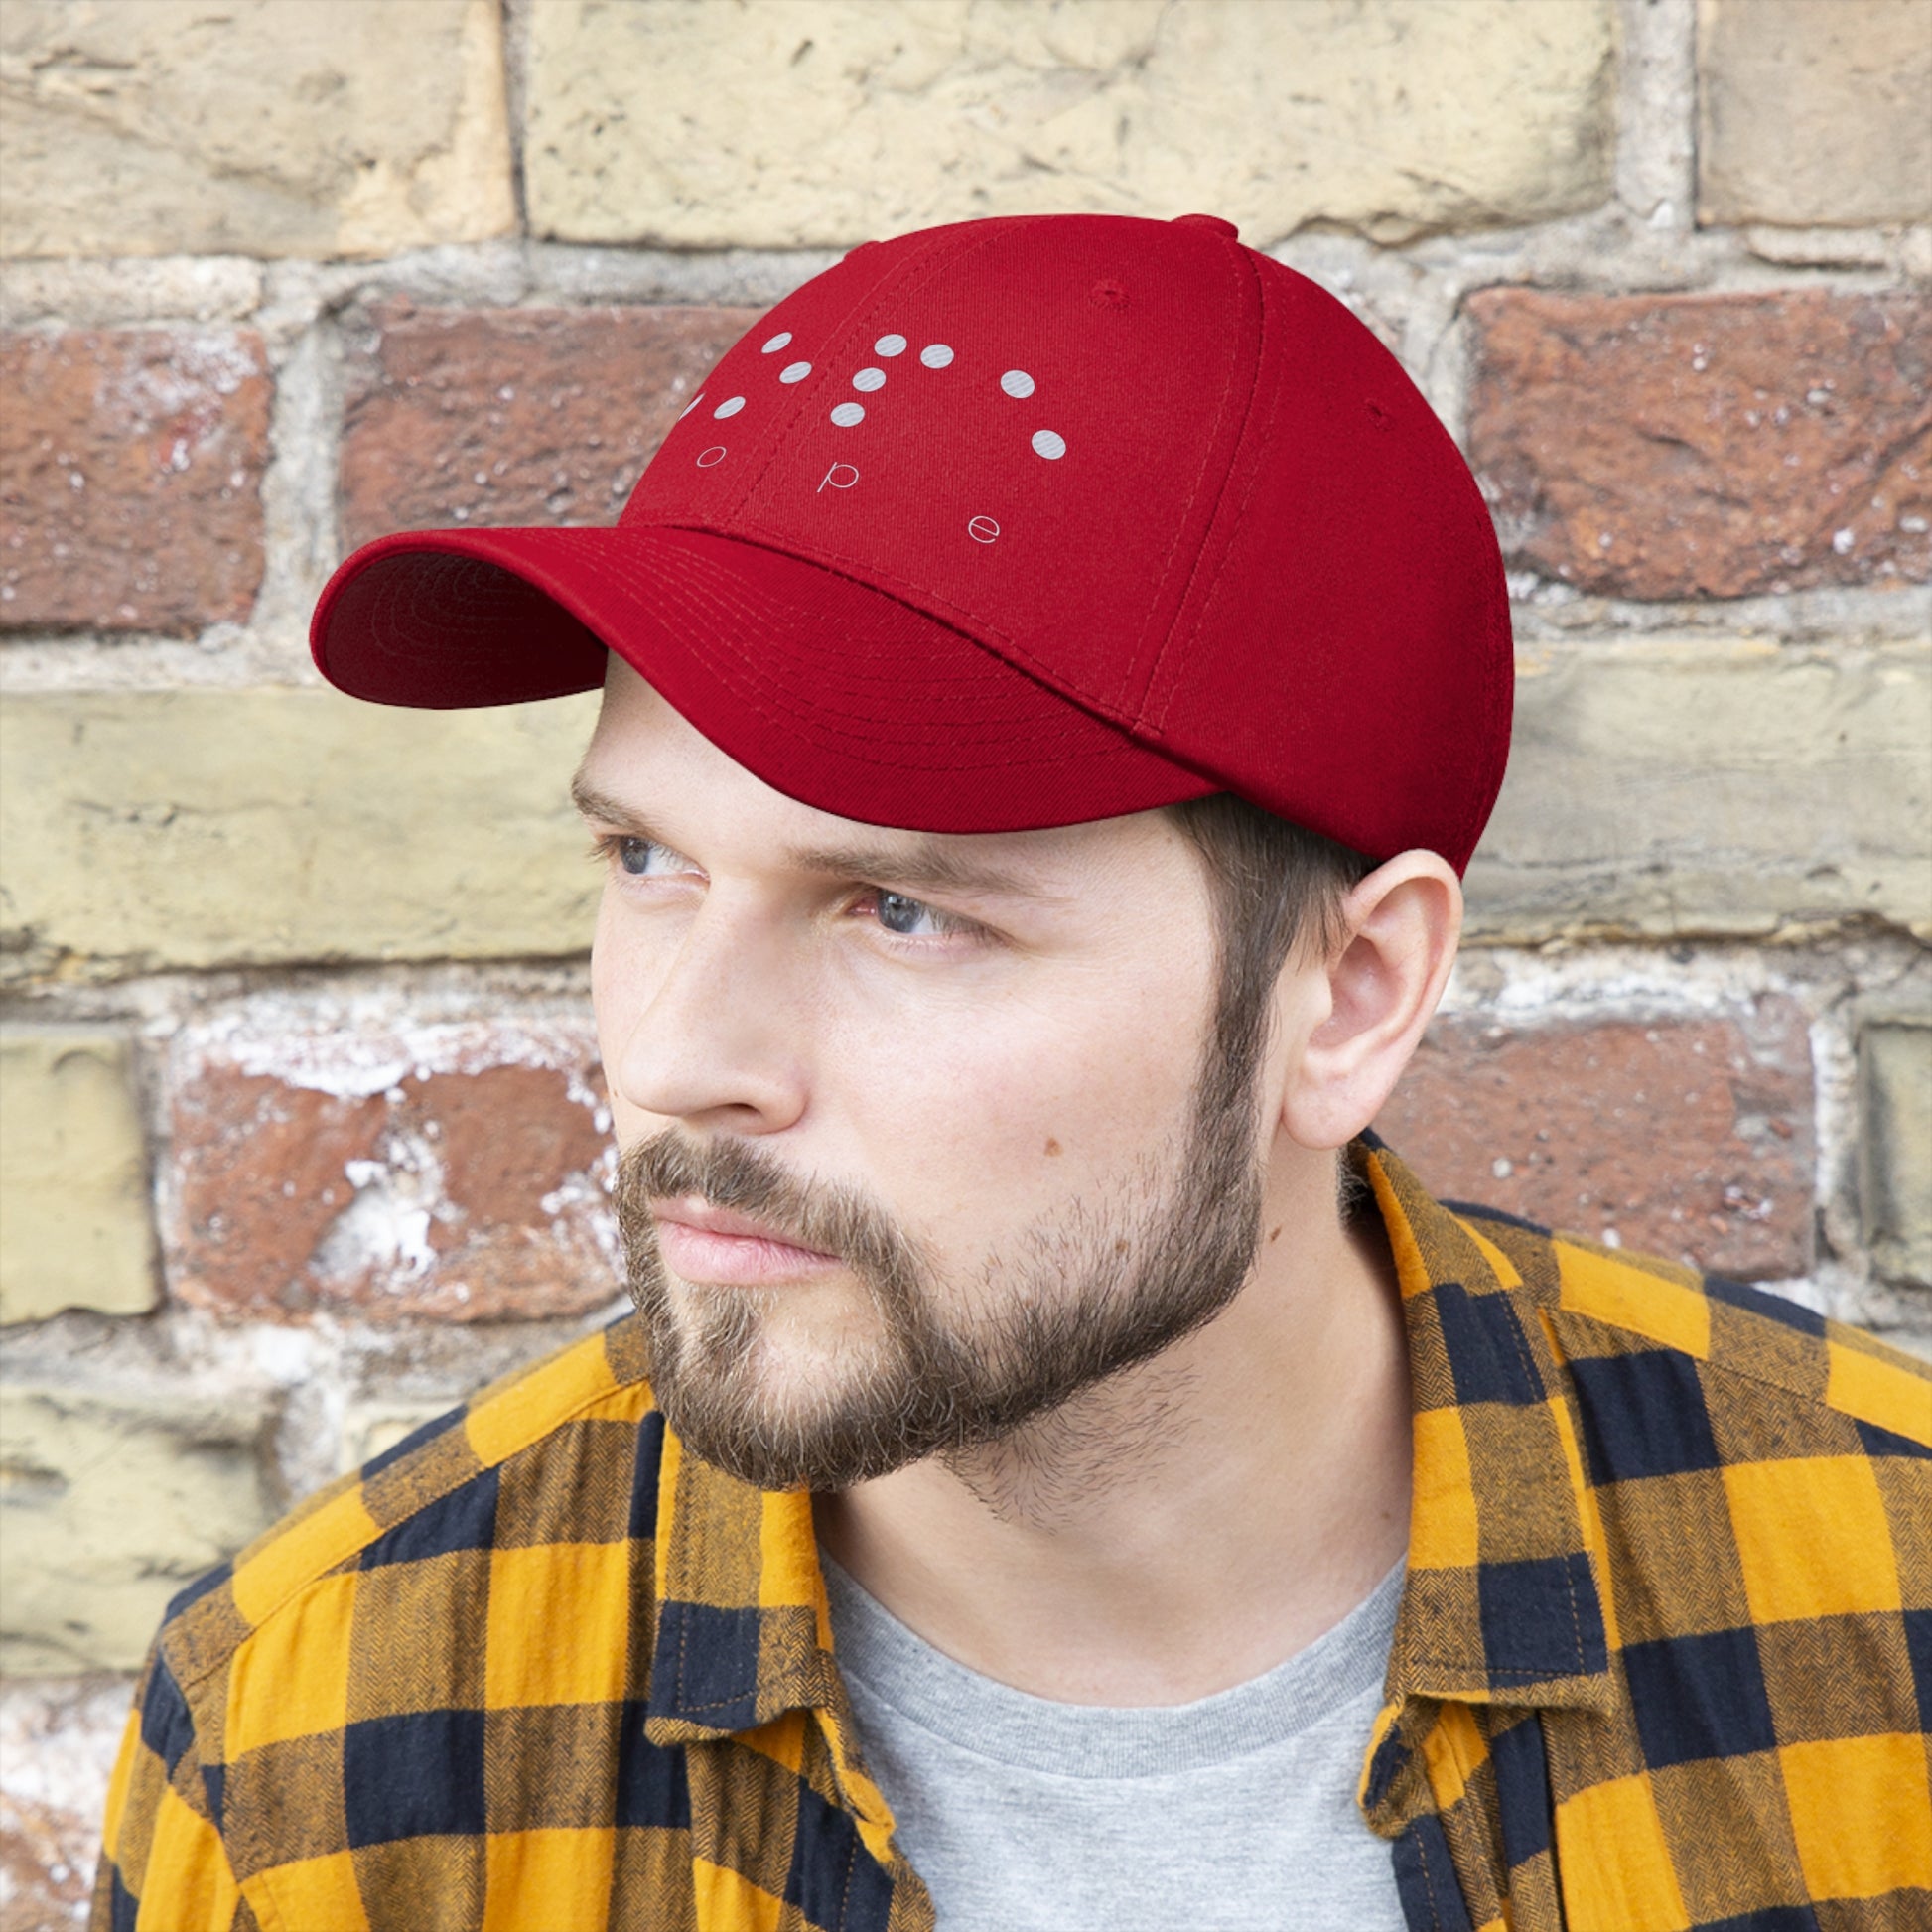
<point>730,407</point>
<point>848,413</point>
<point>890,346</point>
<point>794,373</point>
<point>691,405</point>
<point>867,380</point>
<point>1045,442</point>
<point>1017,384</point>
<point>935,355</point>
<point>776,342</point>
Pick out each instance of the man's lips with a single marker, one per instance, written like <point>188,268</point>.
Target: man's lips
<point>715,1246</point>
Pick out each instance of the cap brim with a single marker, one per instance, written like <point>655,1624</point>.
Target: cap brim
<point>830,691</point>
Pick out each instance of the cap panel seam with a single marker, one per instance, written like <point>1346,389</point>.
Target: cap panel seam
<point>1141,683</point>
<point>783,424</point>
<point>768,703</point>
<point>871,575</point>
<point>910,280</point>
<point>837,723</point>
<point>1266,437</point>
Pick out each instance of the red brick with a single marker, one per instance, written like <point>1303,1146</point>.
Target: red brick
<point>533,416</point>
<point>260,1168</point>
<point>130,477</point>
<point>468,1196</point>
<point>1689,1137</point>
<point>1707,446</point>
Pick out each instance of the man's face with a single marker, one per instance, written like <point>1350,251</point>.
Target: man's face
<point>911,1150</point>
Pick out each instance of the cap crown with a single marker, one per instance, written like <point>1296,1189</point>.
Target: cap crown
<point>1168,478</point>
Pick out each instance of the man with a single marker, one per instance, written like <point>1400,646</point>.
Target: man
<point>1054,673</point>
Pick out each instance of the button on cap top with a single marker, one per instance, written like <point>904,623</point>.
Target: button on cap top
<point>1214,221</point>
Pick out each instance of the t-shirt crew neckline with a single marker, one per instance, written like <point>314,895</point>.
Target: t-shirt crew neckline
<point>885,1660</point>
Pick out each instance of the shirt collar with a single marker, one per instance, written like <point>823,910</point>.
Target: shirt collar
<point>1500,1603</point>
<point>744,1635</point>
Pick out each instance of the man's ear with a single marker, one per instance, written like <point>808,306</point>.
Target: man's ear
<point>1351,1021</point>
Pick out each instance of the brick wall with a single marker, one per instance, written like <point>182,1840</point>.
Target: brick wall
<point>304,1135</point>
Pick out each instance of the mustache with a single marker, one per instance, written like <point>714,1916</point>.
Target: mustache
<point>737,1175</point>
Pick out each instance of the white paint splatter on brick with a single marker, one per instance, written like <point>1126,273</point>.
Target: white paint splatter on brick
<point>57,1740</point>
<point>352,1060</point>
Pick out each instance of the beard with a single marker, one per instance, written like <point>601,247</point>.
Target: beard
<point>1085,1292</point>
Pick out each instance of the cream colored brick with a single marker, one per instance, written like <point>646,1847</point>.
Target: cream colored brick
<point>258,127</point>
<point>201,828</point>
<point>784,123</point>
<point>1814,112</point>
<point>107,1507</point>
<point>84,292</point>
<point>76,1232</point>
<point>1896,1143</point>
<point>1660,788</point>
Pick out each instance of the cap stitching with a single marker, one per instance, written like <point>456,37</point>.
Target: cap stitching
<point>866,578</point>
<point>1056,730</point>
<point>1145,683</point>
<point>771,701</point>
<point>762,696</point>
<point>781,426</point>
<point>1227,548</point>
<point>781,713</point>
<point>1255,473</point>
<point>929,603</point>
<point>917,273</point>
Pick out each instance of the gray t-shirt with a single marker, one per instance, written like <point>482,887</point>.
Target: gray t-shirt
<point>1025,1815</point>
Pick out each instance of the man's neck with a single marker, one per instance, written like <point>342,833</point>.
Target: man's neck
<point>1187,1525</point>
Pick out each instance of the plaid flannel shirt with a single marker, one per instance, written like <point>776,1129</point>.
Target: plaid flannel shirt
<point>1663,1657</point>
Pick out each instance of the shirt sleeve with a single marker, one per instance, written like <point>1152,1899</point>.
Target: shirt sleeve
<point>164,1867</point>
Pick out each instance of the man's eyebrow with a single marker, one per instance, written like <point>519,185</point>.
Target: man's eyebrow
<point>926,865</point>
<point>593,803</point>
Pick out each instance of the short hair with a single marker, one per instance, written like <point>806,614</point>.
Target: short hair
<point>1277,887</point>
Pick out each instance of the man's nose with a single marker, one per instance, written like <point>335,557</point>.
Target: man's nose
<point>716,1040</point>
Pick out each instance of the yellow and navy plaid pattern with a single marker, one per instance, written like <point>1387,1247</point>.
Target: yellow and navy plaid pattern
<point>1663,1661</point>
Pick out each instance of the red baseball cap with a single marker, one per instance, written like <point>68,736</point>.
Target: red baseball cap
<point>1012,523</point>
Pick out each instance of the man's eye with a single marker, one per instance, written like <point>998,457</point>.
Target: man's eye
<point>912,920</point>
<point>644,856</point>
